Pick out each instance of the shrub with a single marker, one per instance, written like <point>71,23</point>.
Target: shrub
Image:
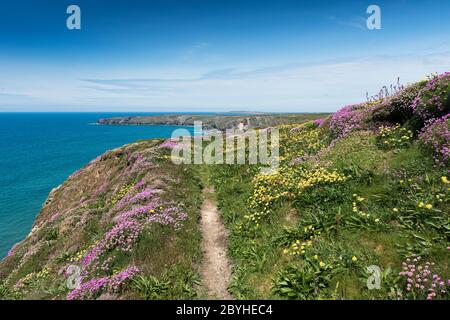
<point>435,137</point>
<point>348,119</point>
<point>433,100</point>
<point>398,108</point>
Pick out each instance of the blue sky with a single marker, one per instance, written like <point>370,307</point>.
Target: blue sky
<point>213,55</point>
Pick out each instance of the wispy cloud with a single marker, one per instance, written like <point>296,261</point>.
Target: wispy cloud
<point>295,87</point>
<point>323,86</point>
<point>5,94</point>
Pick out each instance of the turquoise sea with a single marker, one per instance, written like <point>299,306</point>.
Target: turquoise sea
<point>40,150</point>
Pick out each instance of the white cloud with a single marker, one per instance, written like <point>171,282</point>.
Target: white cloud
<point>292,87</point>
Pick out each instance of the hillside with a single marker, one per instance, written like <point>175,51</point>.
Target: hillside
<point>366,186</point>
<point>128,212</point>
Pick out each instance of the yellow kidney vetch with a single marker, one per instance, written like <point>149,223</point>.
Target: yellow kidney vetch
<point>290,181</point>
<point>286,183</point>
<point>395,136</point>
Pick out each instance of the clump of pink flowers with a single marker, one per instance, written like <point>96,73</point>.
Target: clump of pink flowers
<point>137,163</point>
<point>349,118</point>
<point>421,282</point>
<point>54,216</point>
<point>94,287</point>
<point>11,251</point>
<point>169,216</point>
<point>88,290</point>
<point>435,136</point>
<point>169,143</point>
<point>122,236</point>
<point>431,100</point>
<point>140,184</point>
<point>117,280</point>
<point>130,224</point>
<point>137,213</point>
<point>319,122</point>
<point>130,199</point>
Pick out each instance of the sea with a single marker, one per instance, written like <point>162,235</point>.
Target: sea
<point>39,151</point>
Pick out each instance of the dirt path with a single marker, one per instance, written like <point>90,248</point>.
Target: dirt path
<point>216,269</point>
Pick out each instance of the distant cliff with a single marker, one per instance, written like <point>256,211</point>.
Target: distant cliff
<point>220,122</point>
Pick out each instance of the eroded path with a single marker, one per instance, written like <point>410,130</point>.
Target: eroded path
<point>216,269</point>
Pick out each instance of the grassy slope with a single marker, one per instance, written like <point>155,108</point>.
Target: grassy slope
<point>262,268</point>
<point>85,206</point>
<point>347,196</point>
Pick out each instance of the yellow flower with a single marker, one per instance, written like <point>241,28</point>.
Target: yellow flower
<point>421,204</point>
<point>354,259</point>
<point>377,220</point>
<point>429,206</point>
<point>321,264</point>
<point>395,210</point>
<point>445,180</point>
<point>316,257</point>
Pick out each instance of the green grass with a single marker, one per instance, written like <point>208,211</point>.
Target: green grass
<point>347,243</point>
